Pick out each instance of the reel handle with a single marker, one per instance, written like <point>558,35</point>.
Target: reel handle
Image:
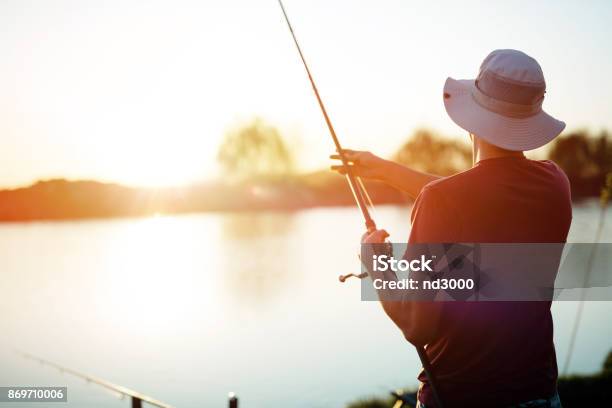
<point>343,278</point>
<point>388,250</point>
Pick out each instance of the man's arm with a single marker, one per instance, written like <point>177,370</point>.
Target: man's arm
<point>370,166</point>
<point>406,179</point>
<point>418,320</point>
<point>433,222</point>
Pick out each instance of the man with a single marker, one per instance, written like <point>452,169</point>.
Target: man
<point>486,354</point>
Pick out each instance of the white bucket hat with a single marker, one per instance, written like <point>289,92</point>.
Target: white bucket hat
<point>504,104</point>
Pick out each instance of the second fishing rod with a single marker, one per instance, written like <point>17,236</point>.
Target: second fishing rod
<point>361,196</point>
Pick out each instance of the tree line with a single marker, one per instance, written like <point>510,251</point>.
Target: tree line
<point>259,174</point>
<point>258,151</point>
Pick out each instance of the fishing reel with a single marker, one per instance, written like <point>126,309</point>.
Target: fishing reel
<point>385,248</point>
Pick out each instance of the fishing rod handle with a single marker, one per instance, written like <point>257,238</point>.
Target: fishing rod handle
<point>388,250</point>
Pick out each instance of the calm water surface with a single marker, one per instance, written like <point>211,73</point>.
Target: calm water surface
<point>188,308</point>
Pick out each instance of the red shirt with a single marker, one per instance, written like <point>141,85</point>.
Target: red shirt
<point>494,353</point>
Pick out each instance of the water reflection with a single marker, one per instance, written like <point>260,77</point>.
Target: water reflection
<point>256,225</point>
<point>253,256</point>
<point>173,271</point>
<point>156,273</point>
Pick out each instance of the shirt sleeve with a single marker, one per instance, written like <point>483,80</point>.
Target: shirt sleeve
<point>433,219</point>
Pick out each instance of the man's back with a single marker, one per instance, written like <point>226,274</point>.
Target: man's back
<point>494,353</point>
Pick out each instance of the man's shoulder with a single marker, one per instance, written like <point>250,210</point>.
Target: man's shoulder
<point>479,176</point>
<point>453,183</point>
<point>438,193</point>
<point>435,216</point>
<point>553,168</point>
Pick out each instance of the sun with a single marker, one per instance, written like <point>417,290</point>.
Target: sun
<point>167,162</point>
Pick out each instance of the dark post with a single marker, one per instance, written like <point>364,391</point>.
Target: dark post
<point>233,400</point>
<point>136,402</point>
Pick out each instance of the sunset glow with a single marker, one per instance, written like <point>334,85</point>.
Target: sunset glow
<point>142,92</point>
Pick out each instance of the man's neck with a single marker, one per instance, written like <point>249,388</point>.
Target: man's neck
<point>485,151</point>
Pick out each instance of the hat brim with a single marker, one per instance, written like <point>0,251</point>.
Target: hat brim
<point>502,131</point>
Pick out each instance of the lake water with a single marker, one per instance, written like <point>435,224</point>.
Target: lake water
<point>187,308</point>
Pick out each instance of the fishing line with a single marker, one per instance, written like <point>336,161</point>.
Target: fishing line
<point>605,197</point>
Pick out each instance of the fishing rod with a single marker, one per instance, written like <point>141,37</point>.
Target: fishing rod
<point>136,397</point>
<point>354,182</point>
<point>361,196</point>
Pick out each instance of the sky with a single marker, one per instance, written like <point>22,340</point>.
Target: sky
<point>142,92</point>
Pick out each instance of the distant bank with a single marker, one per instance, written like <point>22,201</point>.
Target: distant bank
<point>69,200</point>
